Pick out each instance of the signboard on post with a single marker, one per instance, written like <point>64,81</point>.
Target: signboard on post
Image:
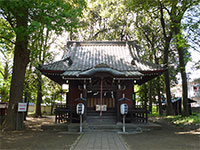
<point>22,107</point>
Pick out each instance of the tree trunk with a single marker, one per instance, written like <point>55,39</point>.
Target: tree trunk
<point>26,101</point>
<point>52,106</point>
<point>14,120</point>
<point>181,48</point>
<point>150,96</point>
<point>159,97</point>
<point>185,110</point>
<point>39,97</point>
<point>167,38</point>
<point>169,108</point>
<point>145,96</point>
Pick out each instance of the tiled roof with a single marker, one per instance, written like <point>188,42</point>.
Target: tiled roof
<point>92,71</point>
<point>118,57</point>
<point>56,66</point>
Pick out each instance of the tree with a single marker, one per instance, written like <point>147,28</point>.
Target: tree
<point>170,14</point>
<point>42,40</point>
<point>150,35</point>
<point>6,52</point>
<point>25,17</point>
<point>178,10</point>
<point>106,20</point>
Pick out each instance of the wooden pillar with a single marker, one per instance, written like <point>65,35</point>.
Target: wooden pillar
<point>117,97</point>
<point>85,96</point>
<point>133,101</point>
<point>67,99</point>
<point>69,104</point>
<point>132,97</point>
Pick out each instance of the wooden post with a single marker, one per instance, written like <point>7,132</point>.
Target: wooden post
<point>133,100</point>
<point>85,103</point>
<point>124,130</point>
<point>69,103</point>
<point>67,98</point>
<point>81,128</point>
<point>118,105</point>
<point>101,97</point>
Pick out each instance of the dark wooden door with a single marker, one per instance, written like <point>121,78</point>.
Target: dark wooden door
<point>93,101</point>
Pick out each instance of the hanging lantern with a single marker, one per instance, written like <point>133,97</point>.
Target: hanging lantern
<point>65,87</point>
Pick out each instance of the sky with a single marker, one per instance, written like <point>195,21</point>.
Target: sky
<point>190,66</point>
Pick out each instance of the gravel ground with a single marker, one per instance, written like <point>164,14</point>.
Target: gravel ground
<point>169,137</point>
<point>35,138</point>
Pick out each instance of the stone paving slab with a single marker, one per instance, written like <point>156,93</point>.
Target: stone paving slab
<point>100,141</point>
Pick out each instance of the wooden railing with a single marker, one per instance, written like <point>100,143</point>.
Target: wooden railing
<point>67,113</point>
<point>64,113</point>
<point>139,114</point>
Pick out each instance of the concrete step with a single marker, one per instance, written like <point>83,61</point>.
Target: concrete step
<point>103,114</point>
<point>101,119</point>
<point>115,127</point>
<point>55,127</point>
<point>94,127</point>
<point>102,127</point>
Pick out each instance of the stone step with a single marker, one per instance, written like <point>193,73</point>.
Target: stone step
<point>115,127</point>
<point>102,127</point>
<point>103,114</point>
<point>101,119</point>
<point>55,127</point>
<point>89,127</point>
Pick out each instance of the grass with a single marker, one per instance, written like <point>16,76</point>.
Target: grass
<point>31,113</point>
<point>154,112</point>
<point>179,120</point>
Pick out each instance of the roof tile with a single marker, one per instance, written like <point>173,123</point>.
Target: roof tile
<point>87,55</point>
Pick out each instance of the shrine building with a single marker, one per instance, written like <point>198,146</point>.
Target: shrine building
<point>101,75</point>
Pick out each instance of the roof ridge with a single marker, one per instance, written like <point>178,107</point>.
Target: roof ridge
<point>86,43</point>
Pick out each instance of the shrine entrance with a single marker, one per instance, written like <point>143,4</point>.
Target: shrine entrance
<point>101,101</point>
<point>106,105</point>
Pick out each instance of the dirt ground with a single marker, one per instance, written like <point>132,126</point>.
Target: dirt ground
<point>35,138</point>
<point>169,137</point>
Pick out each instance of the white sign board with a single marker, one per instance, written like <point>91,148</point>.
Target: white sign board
<point>3,105</point>
<point>22,107</point>
<point>101,107</point>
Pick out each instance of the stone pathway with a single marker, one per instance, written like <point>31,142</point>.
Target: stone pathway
<point>100,141</point>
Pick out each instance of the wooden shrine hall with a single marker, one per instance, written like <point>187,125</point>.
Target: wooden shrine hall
<point>101,75</point>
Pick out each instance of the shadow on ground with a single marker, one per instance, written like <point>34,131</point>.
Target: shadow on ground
<point>169,137</point>
<point>35,138</point>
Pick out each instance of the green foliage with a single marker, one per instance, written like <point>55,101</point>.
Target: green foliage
<point>56,15</point>
<point>52,91</point>
<point>41,16</point>
<point>179,120</point>
<point>197,80</point>
<point>7,38</point>
<point>106,20</point>
<point>40,43</point>
<point>154,112</point>
<point>191,24</point>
